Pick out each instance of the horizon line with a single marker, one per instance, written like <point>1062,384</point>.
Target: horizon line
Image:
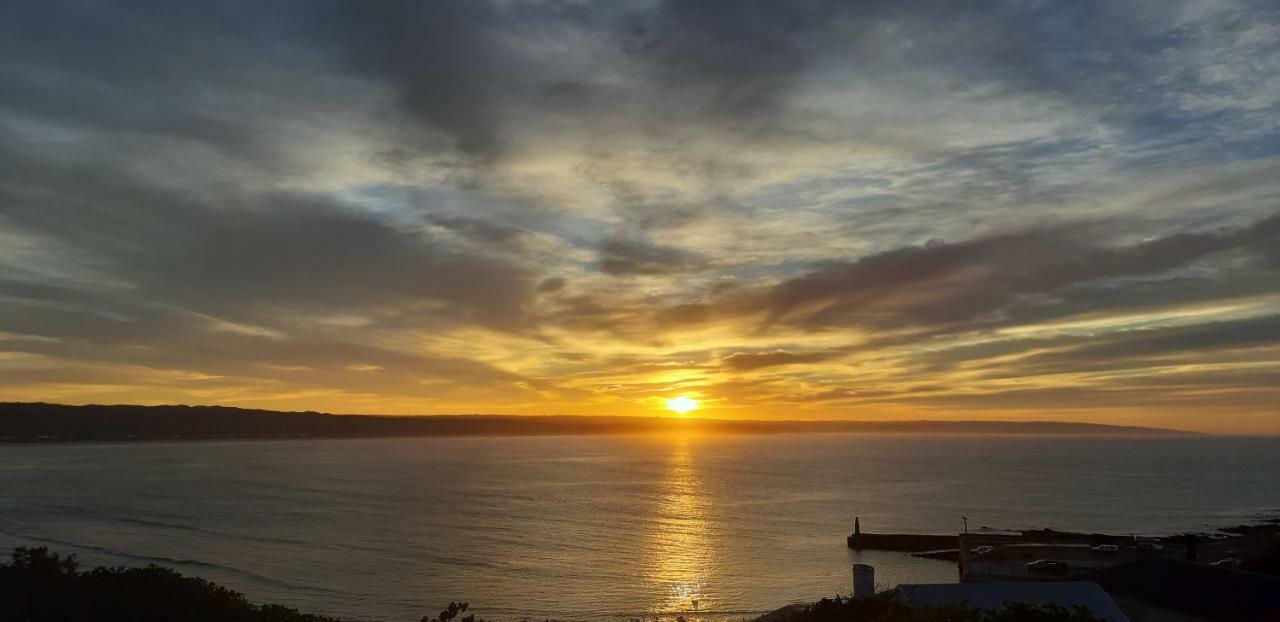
<point>656,418</point>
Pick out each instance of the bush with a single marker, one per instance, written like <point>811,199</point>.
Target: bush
<point>1267,561</point>
<point>39,586</point>
<point>882,609</point>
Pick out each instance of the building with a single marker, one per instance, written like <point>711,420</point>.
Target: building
<point>1066,594</point>
<point>1171,590</point>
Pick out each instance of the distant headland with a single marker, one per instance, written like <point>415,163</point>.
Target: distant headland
<point>42,422</point>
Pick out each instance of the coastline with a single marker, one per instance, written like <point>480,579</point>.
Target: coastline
<point>36,423</point>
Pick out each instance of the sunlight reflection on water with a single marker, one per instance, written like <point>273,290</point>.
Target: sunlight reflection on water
<point>680,546</point>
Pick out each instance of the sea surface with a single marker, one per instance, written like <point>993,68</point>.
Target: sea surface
<point>597,528</point>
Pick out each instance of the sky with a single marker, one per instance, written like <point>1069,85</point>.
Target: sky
<point>805,210</point>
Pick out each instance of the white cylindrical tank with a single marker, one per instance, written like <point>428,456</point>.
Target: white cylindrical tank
<point>864,581</point>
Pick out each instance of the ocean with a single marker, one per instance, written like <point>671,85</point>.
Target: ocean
<point>597,528</point>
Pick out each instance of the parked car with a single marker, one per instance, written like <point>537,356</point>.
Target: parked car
<point>1048,566</point>
<point>1106,548</point>
<point>1148,545</point>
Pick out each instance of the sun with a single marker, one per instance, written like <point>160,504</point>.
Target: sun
<point>682,404</point>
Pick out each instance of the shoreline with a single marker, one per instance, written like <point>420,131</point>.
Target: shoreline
<point>1244,536</point>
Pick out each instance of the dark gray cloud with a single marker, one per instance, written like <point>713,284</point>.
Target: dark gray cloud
<point>745,361</point>
<point>552,285</point>
<point>250,255</point>
<point>445,59</point>
<point>475,76</point>
<point>739,60</point>
<point>967,282</point>
<point>627,257</point>
<point>191,72</point>
<point>478,229</point>
<point>1155,346</point>
<point>1233,350</point>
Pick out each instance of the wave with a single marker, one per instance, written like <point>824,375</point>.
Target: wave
<point>213,532</point>
<point>161,560</point>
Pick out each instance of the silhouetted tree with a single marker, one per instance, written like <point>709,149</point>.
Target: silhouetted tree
<point>451,612</point>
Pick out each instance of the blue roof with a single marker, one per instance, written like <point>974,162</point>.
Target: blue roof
<point>1202,591</point>
<point>1067,594</point>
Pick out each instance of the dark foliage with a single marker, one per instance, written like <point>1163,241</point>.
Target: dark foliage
<point>451,612</point>
<point>39,586</point>
<point>887,610</point>
<point>1267,561</point>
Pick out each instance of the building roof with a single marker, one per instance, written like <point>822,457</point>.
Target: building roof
<point>1208,592</point>
<point>1068,594</point>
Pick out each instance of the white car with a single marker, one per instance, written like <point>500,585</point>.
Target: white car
<point>1106,548</point>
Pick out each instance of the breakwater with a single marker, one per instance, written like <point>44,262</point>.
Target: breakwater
<point>913,543</point>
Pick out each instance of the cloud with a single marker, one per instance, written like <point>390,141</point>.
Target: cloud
<point>940,283</point>
<point>846,209</point>
<point>739,60</point>
<point>444,59</point>
<point>284,251</point>
<point>629,257</point>
<point>195,73</point>
<point>552,285</point>
<point>1157,346</point>
<point>478,229</point>
<point>741,361</point>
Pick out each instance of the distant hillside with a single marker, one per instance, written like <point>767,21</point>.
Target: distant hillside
<point>37,422</point>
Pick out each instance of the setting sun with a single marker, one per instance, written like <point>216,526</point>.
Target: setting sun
<point>682,404</point>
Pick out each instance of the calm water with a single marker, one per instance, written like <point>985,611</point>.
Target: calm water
<point>596,528</point>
